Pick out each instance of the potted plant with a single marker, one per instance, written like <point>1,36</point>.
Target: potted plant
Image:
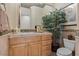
<point>52,23</point>
<point>0,33</point>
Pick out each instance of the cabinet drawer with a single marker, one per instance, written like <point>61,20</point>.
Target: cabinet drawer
<point>34,39</point>
<point>46,42</point>
<point>17,45</point>
<point>16,40</point>
<point>48,47</point>
<point>32,43</point>
<point>46,37</point>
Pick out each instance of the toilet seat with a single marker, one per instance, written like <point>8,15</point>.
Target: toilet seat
<point>64,52</point>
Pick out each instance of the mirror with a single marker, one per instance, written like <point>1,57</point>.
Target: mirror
<point>30,16</point>
<point>25,18</point>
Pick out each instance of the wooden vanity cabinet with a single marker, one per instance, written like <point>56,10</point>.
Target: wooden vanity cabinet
<point>46,45</point>
<point>18,46</point>
<point>17,50</point>
<point>35,46</point>
<point>30,46</point>
<point>35,49</point>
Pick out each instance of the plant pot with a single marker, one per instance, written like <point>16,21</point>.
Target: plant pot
<point>0,33</point>
<point>55,47</point>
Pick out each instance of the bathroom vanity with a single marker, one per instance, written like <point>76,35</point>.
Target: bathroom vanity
<point>30,44</point>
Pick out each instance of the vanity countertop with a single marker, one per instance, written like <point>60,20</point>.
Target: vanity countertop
<point>20,34</point>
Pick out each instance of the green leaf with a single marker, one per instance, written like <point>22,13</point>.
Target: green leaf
<point>52,22</point>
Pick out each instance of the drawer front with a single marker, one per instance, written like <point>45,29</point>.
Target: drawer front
<point>32,43</point>
<point>46,42</point>
<point>48,47</point>
<point>47,37</point>
<point>17,45</point>
<point>16,40</point>
<point>34,39</point>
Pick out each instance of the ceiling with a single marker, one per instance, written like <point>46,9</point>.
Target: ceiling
<point>54,5</point>
<point>27,5</point>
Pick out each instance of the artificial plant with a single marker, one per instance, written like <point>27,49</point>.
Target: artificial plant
<point>52,23</point>
<point>0,33</point>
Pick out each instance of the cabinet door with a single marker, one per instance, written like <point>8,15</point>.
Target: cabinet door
<point>35,49</point>
<point>17,50</point>
<point>46,47</point>
<point>26,50</point>
<point>46,50</point>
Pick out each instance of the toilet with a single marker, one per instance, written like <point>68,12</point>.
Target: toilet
<point>69,46</point>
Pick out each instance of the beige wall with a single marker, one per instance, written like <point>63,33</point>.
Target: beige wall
<point>77,41</point>
<point>12,10</point>
<point>37,13</point>
<point>60,5</point>
<point>47,9</point>
<point>36,16</point>
<point>77,15</point>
